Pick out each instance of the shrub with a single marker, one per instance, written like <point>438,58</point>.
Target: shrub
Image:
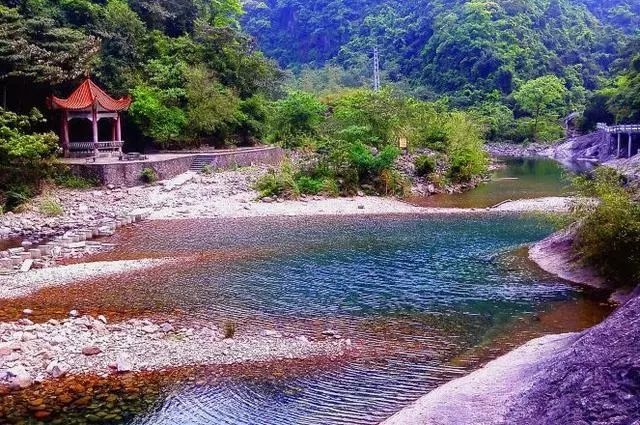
<point>393,183</point>
<point>425,165</point>
<point>207,169</point>
<point>229,329</point>
<point>17,196</point>
<point>148,175</point>
<point>608,235</point>
<point>278,183</point>
<point>70,181</point>
<point>51,207</point>
<point>465,149</point>
<point>309,185</point>
<point>330,187</point>
<point>296,117</point>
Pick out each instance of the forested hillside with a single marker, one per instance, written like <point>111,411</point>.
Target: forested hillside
<point>472,51</point>
<point>191,70</point>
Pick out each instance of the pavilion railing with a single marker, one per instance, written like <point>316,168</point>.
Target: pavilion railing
<point>91,146</point>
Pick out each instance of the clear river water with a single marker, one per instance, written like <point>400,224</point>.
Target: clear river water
<point>426,298</point>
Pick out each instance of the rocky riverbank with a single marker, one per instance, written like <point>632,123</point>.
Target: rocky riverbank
<point>86,345</point>
<point>556,255</point>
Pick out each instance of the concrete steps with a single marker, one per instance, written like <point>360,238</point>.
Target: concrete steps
<point>200,161</point>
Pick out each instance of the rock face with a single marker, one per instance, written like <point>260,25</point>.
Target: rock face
<point>595,380</point>
<point>592,377</point>
<point>555,255</point>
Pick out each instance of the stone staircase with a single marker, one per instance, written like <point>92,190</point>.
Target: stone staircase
<point>200,161</point>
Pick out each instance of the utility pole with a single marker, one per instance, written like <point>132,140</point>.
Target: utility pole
<point>376,70</point>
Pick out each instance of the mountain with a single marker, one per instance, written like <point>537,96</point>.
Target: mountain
<point>469,50</point>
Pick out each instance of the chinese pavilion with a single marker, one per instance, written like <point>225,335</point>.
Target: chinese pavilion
<point>90,102</point>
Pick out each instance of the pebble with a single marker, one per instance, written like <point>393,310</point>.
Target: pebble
<point>91,350</point>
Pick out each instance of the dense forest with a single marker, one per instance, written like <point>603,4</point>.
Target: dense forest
<point>476,53</point>
<point>298,74</point>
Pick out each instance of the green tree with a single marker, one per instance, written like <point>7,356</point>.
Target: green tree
<point>26,154</point>
<point>297,116</point>
<point>541,98</point>
<point>211,107</point>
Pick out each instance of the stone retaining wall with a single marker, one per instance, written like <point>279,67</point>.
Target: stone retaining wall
<point>127,174</point>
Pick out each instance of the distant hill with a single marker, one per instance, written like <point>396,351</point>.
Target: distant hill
<point>470,50</point>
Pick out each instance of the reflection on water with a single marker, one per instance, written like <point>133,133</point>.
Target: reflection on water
<point>422,297</point>
<point>523,178</point>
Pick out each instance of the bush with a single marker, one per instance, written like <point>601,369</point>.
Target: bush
<point>295,118</point>
<point>309,185</point>
<point>425,165</point>
<point>465,149</point>
<point>278,183</point>
<point>148,175</point>
<point>26,156</point>
<point>608,235</point>
<point>70,181</point>
<point>51,207</point>
<point>207,169</point>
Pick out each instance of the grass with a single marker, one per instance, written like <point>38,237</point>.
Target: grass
<point>71,181</point>
<point>51,207</point>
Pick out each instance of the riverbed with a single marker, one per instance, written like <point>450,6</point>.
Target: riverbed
<point>425,300</point>
<point>422,299</point>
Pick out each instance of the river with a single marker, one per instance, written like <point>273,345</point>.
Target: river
<point>426,300</point>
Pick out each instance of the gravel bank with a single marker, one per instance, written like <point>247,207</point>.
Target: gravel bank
<point>79,345</point>
<point>20,284</point>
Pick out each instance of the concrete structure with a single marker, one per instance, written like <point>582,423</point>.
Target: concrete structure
<point>109,170</point>
<point>616,135</point>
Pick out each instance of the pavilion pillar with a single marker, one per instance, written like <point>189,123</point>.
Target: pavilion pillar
<point>118,128</point>
<point>630,144</point>
<point>94,121</point>
<point>64,128</point>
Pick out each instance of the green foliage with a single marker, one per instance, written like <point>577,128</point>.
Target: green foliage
<point>207,169</point>
<point>278,183</point>
<point>608,235</point>
<point>64,178</point>
<point>157,115</point>
<point>211,107</point>
<point>425,165</point>
<point>26,156</point>
<point>365,116</point>
<point>542,99</point>
<point>464,50</point>
<point>148,175</point>
<point>51,207</point>
<point>465,148</point>
<point>625,101</point>
<point>295,118</point>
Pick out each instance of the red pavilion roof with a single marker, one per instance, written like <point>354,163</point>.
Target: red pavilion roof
<point>88,94</point>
